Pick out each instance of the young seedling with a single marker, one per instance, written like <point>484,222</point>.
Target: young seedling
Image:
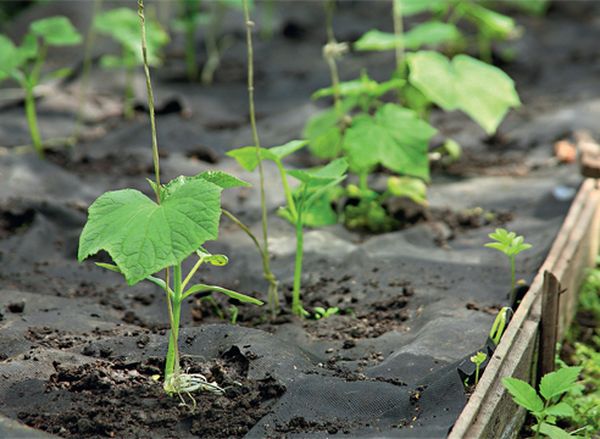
<point>314,183</point>
<point>144,237</point>
<point>511,245</point>
<point>122,25</point>
<point>322,313</point>
<point>546,410</point>
<point>188,22</point>
<point>24,63</point>
<point>478,360</point>
<point>250,160</point>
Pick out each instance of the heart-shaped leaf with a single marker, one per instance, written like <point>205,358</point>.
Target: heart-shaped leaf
<point>482,91</point>
<point>56,31</point>
<point>143,237</point>
<point>394,137</point>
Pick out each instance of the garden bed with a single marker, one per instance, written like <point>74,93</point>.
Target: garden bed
<point>80,349</point>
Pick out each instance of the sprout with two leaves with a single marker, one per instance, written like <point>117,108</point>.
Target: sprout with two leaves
<point>511,245</point>
<point>122,25</point>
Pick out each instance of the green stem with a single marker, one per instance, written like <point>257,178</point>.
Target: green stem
<point>333,70</point>
<point>268,12</point>
<point>286,189</point>
<point>172,360</point>
<point>190,41</point>
<point>512,279</point>
<point>363,182</point>
<point>213,58</point>
<point>476,374</point>
<point>485,48</point>
<point>273,294</point>
<point>539,424</point>
<point>87,67</point>
<point>155,156</point>
<point>399,33</point>
<point>32,120</point>
<point>296,302</point>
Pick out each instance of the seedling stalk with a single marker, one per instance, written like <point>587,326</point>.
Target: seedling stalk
<point>399,33</point>
<point>273,296</point>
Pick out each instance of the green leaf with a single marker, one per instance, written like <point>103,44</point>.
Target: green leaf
<point>199,288</point>
<point>453,149</point>
<point>535,7</point>
<point>222,179</point>
<point>216,260</point>
<point>523,394</point>
<point>9,59</point>
<point>431,33</point>
<point>28,49</point>
<point>408,187</point>
<point>489,22</point>
<point>560,410</point>
<point>143,237</point>
<point>558,382</point>
<point>123,25</point>
<point>482,91</point>
<point>321,176</point>
<point>554,432</point>
<point>219,178</point>
<point>59,73</point>
<point>247,158</point>
<point>478,358</point>
<point>56,31</point>
<point>394,137</point>
<point>507,242</point>
<point>412,7</point>
<point>324,134</point>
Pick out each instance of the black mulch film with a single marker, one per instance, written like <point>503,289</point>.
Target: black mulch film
<point>79,349</point>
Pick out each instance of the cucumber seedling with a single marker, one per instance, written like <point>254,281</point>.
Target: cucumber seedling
<point>122,25</point>
<point>511,245</point>
<point>24,63</point>
<point>478,360</point>
<point>252,159</point>
<point>547,410</point>
<point>313,184</point>
<point>144,237</point>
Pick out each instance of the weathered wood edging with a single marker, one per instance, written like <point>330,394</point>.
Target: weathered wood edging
<point>490,412</point>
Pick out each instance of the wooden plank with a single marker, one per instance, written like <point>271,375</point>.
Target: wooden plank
<point>490,412</point>
<point>548,324</point>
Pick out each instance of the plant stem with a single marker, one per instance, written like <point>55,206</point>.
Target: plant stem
<point>286,189</point>
<point>296,302</point>
<point>363,183</point>
<point>512,279</point>
<point>87,67</point>
<point>172,360</point>
<point>476,374</point>
<point>273,295</point>
<point>188,15</point>
<point>155,157</point>
<point>330,58</point>
<point>268,12</point>
<point>32,120</point>
<point>212,46</point>
<point>399,33</point>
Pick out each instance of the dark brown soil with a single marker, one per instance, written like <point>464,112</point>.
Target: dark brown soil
<point>116,399</point>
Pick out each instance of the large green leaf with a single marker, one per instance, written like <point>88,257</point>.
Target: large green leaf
<point>482,91</point>
<point>558,382</point>
<point>56,31</point>
<point>554,432</point>
<point>523,394</point>
<point>394,137</point>
<point>123,24</point>
<point>143,237</point>
<point>324,134</point>
<point>9,60</point>
<point>431,33</point>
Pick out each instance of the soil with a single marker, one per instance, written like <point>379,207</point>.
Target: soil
<point>79,349</point>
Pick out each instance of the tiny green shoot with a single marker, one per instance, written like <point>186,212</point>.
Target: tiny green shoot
<point>511,245</point>
<point>478,360</point>
<point>545,406</point>
<point>323,313</point>
<point>25,63</point>
<point>121,24</point>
